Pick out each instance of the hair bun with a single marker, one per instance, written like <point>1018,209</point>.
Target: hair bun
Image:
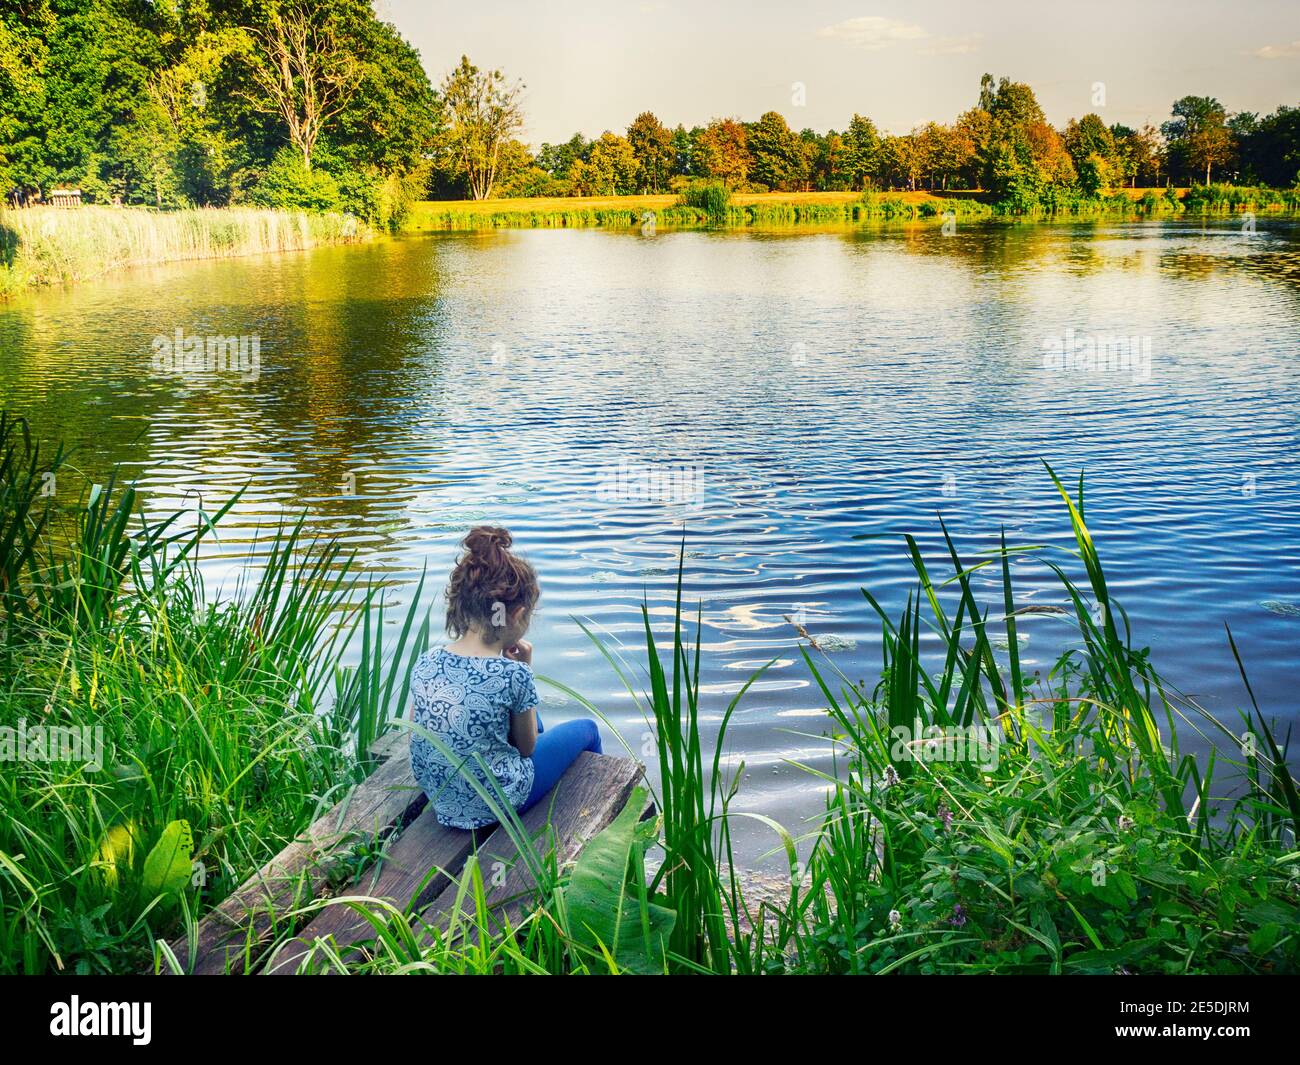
<point>486,540</point>
<point>486,577</point>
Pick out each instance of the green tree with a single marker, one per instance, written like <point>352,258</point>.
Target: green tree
<point>1093,154</point>
<point>303,70</point>
<point>24,52</point>
<point>862,152</point>
<point>610,168</point>
<point>1270,149</point>
<point>652,144</point>
<point>97,72</point>
<point>1023,158</point>
<point>780,159</point>
<point>1198,134</point>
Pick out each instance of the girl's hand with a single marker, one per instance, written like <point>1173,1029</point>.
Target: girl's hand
<point>520,652</point>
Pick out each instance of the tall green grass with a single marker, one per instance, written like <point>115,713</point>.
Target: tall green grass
<point>244,716</point>
<point>712,199</point>
<point>1090,845</point>
<point>49,245</point>
<point>1210,198</point>
<point>706,204</point>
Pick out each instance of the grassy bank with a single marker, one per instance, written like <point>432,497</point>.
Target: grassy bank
<point>981,819</point>
<point>218,727</point>
<point>740,210</point>
<point>49,245</point>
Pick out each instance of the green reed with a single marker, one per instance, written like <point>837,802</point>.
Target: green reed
<point>238,714</point>
<point>51,245</point>
<point>1081,841</point>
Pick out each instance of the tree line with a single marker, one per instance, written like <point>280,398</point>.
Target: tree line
<point>1003,145</point>
<point>318,104</point>
<point>296,103</point>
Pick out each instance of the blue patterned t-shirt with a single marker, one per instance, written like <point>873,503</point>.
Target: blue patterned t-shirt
<point>466,702</point>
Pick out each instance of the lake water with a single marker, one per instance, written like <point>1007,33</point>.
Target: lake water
<point>772,395</point>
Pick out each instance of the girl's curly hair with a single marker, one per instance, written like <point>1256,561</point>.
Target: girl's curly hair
<point>488,584</point>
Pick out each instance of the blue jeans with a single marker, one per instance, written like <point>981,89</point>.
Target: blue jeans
<point>556,750</point>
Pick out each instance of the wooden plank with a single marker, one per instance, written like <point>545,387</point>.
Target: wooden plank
<point>389,744</point>
<point>232,933</point>
<point>588,797</point>
<point>403,880</point>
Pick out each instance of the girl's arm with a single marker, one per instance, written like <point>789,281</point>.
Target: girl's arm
<point>523,731</point>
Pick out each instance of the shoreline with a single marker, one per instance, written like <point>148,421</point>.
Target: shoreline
<point>45,246</point>
<point>746,210</point>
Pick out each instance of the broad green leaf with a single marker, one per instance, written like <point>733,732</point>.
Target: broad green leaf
<point>167,869</point>
<point>604,915</point>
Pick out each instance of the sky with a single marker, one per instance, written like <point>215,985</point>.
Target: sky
<point>592,66</point>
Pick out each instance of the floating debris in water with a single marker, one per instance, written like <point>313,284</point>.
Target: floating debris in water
<point>831,642</point>
<point>604,576</point>
<point>1003,644</point>
<point>1276,606</point>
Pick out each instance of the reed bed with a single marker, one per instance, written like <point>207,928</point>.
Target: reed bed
<point>49,245</point>
<point>218,726</point>
<point>699,206</point>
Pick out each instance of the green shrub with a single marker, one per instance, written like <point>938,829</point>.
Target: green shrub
<point>287,184</point>
<point>710,197</point>
<point>237,717</point>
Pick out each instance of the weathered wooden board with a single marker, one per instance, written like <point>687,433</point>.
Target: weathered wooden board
<point>229,937</point>
<point>390,743</point>
<point>403,880</point>
<point>588,797</point>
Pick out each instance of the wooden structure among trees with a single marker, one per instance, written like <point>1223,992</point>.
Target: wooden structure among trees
<point>65,197</point>
<point>250,932</point>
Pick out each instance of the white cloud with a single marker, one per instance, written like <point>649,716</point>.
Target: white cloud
<point>873,32</point>
<point>1278,51</point>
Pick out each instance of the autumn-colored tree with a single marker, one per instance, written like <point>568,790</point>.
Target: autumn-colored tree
<point>1022,156</point>
<point>652,144</point>
<point>722,152</point>
<point>971,132</point>
<point>610,168</point>
<point>484,112</point>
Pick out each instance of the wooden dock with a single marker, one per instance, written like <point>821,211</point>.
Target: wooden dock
<point>250,931</point>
